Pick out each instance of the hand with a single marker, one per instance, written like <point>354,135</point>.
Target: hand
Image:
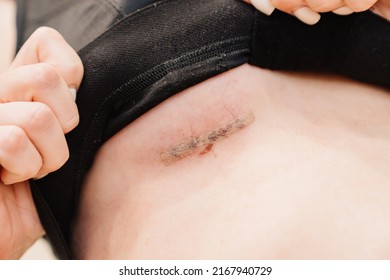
<point>308,10</point>
<point>36,111</point>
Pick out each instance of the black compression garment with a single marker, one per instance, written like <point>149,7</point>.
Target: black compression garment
<point>135,59</point>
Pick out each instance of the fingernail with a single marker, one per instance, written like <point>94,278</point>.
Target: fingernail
<point>41,177</point>
<point>307,15</point>
<point>73,93</point>
<point>343,11</point>
<point>263,6</point>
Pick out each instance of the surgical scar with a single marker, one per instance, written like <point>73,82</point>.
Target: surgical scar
<point>204,144</point>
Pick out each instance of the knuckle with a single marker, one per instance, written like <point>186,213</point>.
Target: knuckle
<point>72,124</point>
<point>44,33</point>
<point>39,117</point>
<point>32,168</point>
<point>64,159</point>
<point>46,76</point>
<point>56,163</point>
<point>13,140</point>
<point>74,69</point>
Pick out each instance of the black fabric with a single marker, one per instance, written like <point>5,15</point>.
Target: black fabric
<point>156,52</point>
<point>356,46</point>
<point>130,69</point>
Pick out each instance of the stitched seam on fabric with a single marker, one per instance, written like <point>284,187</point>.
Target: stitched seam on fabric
<point>124,13</point>
<point>229,46</point>
<point>184,58</point>
<point>114,7</point>
<point>197,55</point>
<point>221,62</point>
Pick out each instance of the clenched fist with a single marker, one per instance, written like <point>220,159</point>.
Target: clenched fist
<point>37,109</point>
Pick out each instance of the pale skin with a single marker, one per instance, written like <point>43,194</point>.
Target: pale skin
<point>289,6</point>
<point>308,178</point>
<point>316,155</point>
<point>313,8</point>
<point>36,111</point>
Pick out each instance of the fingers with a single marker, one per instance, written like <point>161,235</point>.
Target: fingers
<point>288,6</point>
<point>298,8</point>
<point>308,11</point>
<point>32,142</point>
<point>351,6</point>
<point>37,107</point>
<point>41,83</point>
<point>47,46</point>
<point>323,6</point>
<point>18,157</point>
<point>307,15</point>
<point>359,5</point>
<point>343,11</point>
<point>264,6</point>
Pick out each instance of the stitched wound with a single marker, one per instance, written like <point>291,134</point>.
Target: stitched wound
<point>204,144</point>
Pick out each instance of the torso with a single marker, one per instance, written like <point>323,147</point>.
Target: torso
<point>308,177</point>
